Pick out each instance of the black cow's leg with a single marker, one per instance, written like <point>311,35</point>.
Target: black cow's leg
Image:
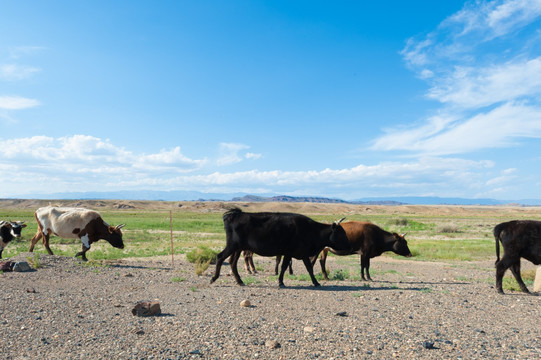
<point>233,263</point>
<point>310,269</point>
<point>220,258</point>
<point>286,261</point>
<point>367,265</point>
<point>501,267</point>
<point>515,269</point>
<point>363,265</point>
<point>1,250</point>
<point>291,267</point>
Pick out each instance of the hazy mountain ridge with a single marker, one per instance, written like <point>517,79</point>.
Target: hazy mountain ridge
<point>153,195</point>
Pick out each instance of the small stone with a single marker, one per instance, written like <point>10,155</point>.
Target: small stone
<point>428,345</point>
<point>308,329</point>
<point>147,308</point>
<point>342,313</point>
<point>272,344</point>
<point>245,303</point>
<point>22,266</point>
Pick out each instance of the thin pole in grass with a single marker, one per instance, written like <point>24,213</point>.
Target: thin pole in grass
<point>171,228</point>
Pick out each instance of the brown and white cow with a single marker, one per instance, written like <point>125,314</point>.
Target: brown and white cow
<point>75,223</point>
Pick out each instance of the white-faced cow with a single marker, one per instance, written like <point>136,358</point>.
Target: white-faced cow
<point>271,234</point>
<point>75,223</point>
<point>17,228</point>
<point>6,235</point>
<point>368,240</point>
<point>520,239</point>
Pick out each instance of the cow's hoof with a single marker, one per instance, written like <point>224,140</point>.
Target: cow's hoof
<point>281,286</point>
<point>317,284</point>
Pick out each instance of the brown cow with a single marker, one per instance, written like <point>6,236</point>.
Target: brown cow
<point>369,241</point>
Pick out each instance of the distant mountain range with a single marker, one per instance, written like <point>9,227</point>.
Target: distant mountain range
<point>243,197</point>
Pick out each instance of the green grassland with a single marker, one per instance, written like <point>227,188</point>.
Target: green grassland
<point>433,233</point>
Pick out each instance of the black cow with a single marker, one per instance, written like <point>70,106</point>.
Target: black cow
<point>520,239</point>
<point>6,235</point>
<point>271,234</point>
<point>369,241</point>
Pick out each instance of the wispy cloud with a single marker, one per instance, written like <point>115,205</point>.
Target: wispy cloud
<point>17,103</point>
<point>231,153</point>
<point>43,164</point>
<point>482,67</point>
<point>15,72</point>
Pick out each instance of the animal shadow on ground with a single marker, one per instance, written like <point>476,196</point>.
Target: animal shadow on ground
<point>428,282</point>
<point>124,266</point>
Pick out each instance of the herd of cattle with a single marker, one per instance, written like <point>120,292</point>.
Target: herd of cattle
<point>283,235</point>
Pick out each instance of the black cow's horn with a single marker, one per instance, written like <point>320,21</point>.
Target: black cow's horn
<point>120,226</point>
<point>339,221</point>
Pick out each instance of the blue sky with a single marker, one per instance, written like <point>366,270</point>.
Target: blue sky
<point>345,99</point>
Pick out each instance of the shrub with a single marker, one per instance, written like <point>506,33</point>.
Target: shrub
<point>447,228</point>
<point>201,266</point>
<point>202,254</point>
<point>339,275</point>
<point>399,222</point>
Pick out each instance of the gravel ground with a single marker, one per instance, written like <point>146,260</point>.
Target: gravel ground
<point>67,309</point>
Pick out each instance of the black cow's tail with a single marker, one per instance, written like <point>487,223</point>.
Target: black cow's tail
<point>497,236</point>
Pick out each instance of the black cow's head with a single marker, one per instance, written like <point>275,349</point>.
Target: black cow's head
<point>115,236</point>
<point>339,240</point>
<point>16,228</point>
<point>400,245</point>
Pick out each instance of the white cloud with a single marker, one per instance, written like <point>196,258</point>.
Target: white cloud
<point>13,72</point>
<point>43,164</point>
<point>17,103</point>
<point>230,153</point>
<point>482,67</point>
<point>475,87</point>
<point>252,156</point>
<point>499,127</point>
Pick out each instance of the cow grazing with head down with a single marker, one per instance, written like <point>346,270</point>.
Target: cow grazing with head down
<point>368,240</point>
<point>520,239</point>
<point>75,223</point>
<point>271,234</point>
<point>6,235</point>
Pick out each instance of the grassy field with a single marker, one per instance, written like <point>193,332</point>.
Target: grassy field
<point>433,233</point>
<point>438,233</point>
